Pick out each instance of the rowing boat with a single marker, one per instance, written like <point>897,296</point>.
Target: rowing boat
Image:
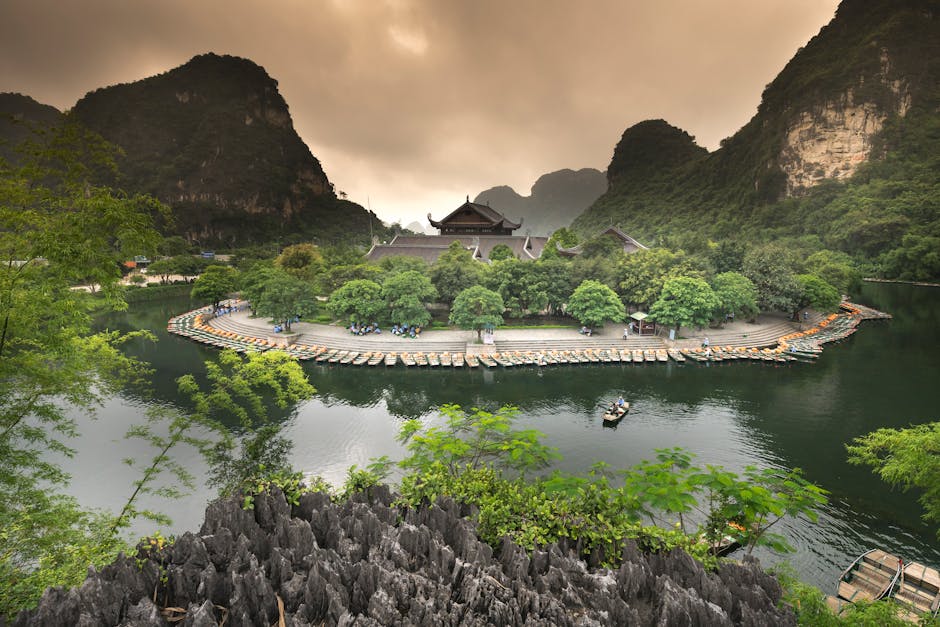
<point>615,413</point>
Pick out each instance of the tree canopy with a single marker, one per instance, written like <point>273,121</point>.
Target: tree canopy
<point>685,301</point>
<point>454,271</point>
<point>406,296</point>
<point>214,284</point>
<point>736,295</point>
<point>358,301</point>
<point>593,303</point>
<point>477,308</point>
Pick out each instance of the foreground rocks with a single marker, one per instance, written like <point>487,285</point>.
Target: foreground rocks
<point>363,562</point>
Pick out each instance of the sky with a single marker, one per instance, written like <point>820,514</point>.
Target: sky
<point>412,105</point>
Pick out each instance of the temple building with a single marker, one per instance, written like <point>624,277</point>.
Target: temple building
<point>479,228</point>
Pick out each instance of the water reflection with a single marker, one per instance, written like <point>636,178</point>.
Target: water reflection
<point>737,414</point>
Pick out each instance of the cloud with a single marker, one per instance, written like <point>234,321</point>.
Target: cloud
<point>415,104</point>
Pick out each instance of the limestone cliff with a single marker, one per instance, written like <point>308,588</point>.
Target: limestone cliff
<point>214,139</point>
<point>368,562</point>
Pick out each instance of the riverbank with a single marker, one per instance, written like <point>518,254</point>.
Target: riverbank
<point>770,337</point>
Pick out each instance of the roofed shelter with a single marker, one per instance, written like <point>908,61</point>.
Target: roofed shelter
<point>628,244</point>
<point>478,228</point>
<point>473,218</point>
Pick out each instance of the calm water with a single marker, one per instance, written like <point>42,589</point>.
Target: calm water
<point>735,414</point>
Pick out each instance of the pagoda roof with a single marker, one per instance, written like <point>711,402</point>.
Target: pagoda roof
<point>486,216</point>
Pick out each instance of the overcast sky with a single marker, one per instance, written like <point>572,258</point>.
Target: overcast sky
<point>411,105</point>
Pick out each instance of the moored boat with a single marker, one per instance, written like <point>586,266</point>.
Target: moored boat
<point>918,591</point>
<point>870,577</point>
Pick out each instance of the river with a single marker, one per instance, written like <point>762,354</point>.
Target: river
<point>736,414</point>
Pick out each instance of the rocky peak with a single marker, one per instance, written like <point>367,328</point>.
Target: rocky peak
<point>214,139</point>
<point>649,149</point>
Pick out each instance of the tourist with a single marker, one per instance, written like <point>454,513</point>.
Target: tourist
<point>620,402</point>
<point>705,342</point>
<point>626,332</point>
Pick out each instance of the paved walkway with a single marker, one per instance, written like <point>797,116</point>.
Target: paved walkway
<point>765,331</point>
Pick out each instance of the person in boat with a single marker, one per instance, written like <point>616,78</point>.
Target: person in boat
<point>620,402</point>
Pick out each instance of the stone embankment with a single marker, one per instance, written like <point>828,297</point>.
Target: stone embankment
<point>367,562</point>
<point>772,338</point>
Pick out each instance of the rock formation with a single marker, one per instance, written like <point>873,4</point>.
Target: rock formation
<point>367,562</point>
<point>555,200</point>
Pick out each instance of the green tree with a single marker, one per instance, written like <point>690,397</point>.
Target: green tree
<point>736,295</point>
<point>284,297</point>
<point>836,268</point>
<point>770,269</point>
<point>816,293</point>
<point>685,301</point>
<point>593,303</point>
<point>908,457</point>
<point>477,308</point>
<point>303,261</point>
<point>58,228</point>
<point>554,277</point>
<point>523,288</point>
<point>395,264</point>
<point>215,284</point>
<point>406,297</point>
<point>641,276</point>
<point>166,267</point>
<point>501,252</point>
<point>727,256</point>
<point>561,238</point>
<point>358,301</point>
<point>174,246</point>
<point>454,271</point>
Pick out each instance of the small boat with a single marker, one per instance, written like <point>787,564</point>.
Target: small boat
<point>326,355</point>
<point>487,361</point>
<point>676,355</point>
<point>615,413</point>
<point>472,361</point>
<point>348,358</point>
<point>637,356</point>
<point>434,360</point>
<point>361,359</point>
<point>338,356</point>
<point>870,577</point>
<point>391,359</point>
<point>661,355</point>
<point>458,360</point>
<point>376,359</point>
<point>918,590</point>
<point>446,360</point>
<point>420,359</point>
<point>407,359</point>
<point>626,356</point>
<point>649,354</point>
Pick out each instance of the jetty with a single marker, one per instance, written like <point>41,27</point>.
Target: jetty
<point>775,340</point>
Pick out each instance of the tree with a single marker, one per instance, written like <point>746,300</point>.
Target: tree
<point>454,271</point>
<point>166,267</point>
<point>522,287</point>
<point>727,256</point>
<point>736,295</point>
<point>592,303</point>
<point>909,458</point>
<point>284,297</point>
<point>554,277</point>
<point>770,269</point>
<point>394,264</point>
<point>685,301</point>
<point>303,261</point>
<point>836,268</point>
<point>561,238</point>
<point>501,252</point>
<point>58,227</point>
<point>641,276</point>
<point>214,284</point>
<point>358,301</point>
<point>477,308</point>
<point>816,293</point>
<point>406,297</point>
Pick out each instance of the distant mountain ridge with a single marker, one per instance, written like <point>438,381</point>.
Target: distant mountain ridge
<point>555,200</point>
<point>214,140</point>
<point>853,113</point>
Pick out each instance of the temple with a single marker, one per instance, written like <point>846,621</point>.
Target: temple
<point>478,228</point>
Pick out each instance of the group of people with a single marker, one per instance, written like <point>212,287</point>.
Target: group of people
<point>365,329</point>
<point>617,407</point>
<point>406,330</point>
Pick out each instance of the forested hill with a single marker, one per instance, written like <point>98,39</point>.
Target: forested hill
<point>554,200</point>
<point>214,140</point>
<point>19,116</point>
<point>843,153</point>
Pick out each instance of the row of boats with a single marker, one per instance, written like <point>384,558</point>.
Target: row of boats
<point>877,575</point>
<point>802,346</point>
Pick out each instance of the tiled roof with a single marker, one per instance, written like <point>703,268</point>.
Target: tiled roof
<point>431,247</point>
